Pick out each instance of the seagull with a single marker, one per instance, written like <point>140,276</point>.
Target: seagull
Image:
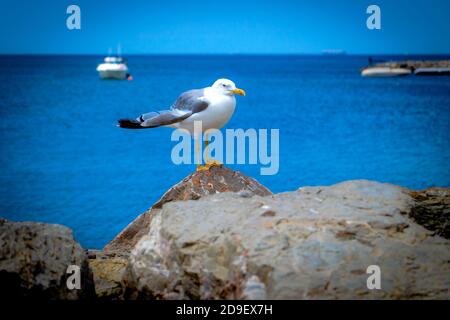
<point>213,106</point>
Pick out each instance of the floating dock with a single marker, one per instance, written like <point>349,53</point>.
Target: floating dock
<point>402,68</point>
<point>432,71</point>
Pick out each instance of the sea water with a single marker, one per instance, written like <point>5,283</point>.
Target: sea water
<point>63,160</point>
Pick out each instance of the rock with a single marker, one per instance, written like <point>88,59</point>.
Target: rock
<point>432,210</point>
<point>221,235</point>
<point>217,179</point>
<point>108,270</point>
<point>34,258</point>
<point>314,243</point>
<point>108,266</point>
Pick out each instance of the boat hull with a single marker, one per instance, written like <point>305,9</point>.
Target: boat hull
<point>113,71</point>
<point>385,72</point>
<point>113,74</point>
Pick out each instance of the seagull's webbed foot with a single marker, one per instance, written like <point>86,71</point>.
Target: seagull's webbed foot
<point>208,164</point>
<point>213,162</point>
<point>202,168</point>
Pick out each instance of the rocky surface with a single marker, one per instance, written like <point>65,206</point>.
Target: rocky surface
<point>432,210</point>
<point>219,235</point>
<point>108,270</point>
<point>108,266</point>
<point>34,258</point>
<point>314,243</point>
<point>217,179</point>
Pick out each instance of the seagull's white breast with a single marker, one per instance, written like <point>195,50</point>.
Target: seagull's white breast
<point>216,115</point>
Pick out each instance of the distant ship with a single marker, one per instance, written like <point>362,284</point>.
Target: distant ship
<point>114,67</point>
<point>334,52</point>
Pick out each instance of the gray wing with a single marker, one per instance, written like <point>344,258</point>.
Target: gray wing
<point>162,118</point>
<point>187,104</point>
<point>192,100</point>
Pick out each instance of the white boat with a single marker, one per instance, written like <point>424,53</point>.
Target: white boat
<point>113,68</point>
<point>384,72</point>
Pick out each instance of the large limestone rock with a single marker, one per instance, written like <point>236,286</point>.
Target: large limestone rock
<point>217,179</point>
<point>34,258</point>
<point>314,243</point>
<point>108,266</point>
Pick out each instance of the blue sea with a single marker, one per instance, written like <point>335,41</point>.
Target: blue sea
<point>63,160</point>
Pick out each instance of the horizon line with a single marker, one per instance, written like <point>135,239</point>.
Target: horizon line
<point>228,54</point>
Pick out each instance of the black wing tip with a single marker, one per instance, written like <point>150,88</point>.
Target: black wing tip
<point>130,124</point>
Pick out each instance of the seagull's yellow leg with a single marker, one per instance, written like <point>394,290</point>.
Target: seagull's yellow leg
<point>206,151</point>
<point>199,157</point>
<point>197,150</point>
<point>209,162</point>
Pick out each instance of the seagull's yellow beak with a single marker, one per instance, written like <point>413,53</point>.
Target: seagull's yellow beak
<point>239,92</point>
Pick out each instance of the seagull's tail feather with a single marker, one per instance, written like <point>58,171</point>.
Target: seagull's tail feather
<point>130,124</point>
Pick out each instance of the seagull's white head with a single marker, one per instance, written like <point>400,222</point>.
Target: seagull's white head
<point>227,87</point>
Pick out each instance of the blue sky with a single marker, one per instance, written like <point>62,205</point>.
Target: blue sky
<point>224,26</point>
